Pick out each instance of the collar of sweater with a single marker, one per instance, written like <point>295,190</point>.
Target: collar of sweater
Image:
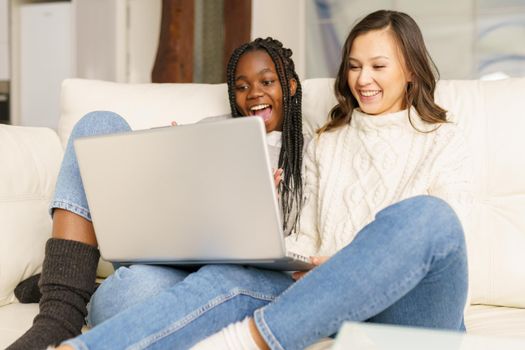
<point>274,138</point>
<point>367,122</point>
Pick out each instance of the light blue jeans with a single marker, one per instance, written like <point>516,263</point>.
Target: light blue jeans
<point>407,267</point>
<point>69,190</point>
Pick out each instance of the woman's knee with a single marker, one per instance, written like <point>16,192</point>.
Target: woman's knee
<point>99,123</point>
<point>129,286</point>
<point>431,218</point>
<point>424,208</point>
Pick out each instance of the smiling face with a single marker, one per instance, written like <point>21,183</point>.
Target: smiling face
<point>377,76</point>
<point>258,90</point>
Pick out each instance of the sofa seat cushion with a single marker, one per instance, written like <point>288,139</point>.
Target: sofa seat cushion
<point>15,319</point>
<point>495,321</point>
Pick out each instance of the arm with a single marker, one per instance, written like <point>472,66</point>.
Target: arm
<point>453,180</point>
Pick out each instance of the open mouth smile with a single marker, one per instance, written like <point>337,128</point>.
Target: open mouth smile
<point>369,93</point>
<point>262,110</point>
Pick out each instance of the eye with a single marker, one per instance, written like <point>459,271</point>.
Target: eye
<point>268,82</point>
<point>379,66</point>
<point>242,87</point>
<point>354,67</point>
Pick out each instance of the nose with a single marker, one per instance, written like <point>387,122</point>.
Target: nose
<point>255,92</point>
<point>365,77</point>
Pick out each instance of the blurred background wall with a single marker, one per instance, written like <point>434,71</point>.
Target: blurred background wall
<point>468,39</point>
<point>43,42</point>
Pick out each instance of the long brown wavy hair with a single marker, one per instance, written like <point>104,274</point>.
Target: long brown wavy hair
<point>424,73</point>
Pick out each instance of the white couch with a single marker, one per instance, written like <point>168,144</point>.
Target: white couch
<point>490,112</point>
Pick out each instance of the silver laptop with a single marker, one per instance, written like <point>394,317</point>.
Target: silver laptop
<point>190,195</point>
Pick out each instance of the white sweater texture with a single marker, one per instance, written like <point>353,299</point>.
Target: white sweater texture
<point>355,171</point>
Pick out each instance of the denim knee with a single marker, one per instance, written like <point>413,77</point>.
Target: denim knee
<point>99,122</point>
<point>436,218</point>
<point>69,190</point>
<point>425,208</point>
<point>129,286</point>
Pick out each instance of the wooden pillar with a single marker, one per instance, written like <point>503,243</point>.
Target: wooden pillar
<point>174,60</point>
<point>237,26</point>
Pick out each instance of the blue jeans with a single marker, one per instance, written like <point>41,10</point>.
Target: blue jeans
<point>69,190</point>
<point>130,285</point>
<point>69,195</point>
<point>407,267</point>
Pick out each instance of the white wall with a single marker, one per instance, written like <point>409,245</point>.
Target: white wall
<point>113,40</point>
<point>143,37</point>
<point>286,24</point>
<point>449,29</point>
<point>45,60</point>
<point>100,39</point>
<point>4,42</point>
<point>117,39</point>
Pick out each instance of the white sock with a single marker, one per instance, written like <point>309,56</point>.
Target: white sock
<point>236,336</point>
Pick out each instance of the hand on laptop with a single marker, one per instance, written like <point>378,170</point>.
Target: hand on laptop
<point>277,177</point>
<point>316,261</point>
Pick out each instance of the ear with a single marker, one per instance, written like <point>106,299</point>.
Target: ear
<point>410,76</point>
<point>293,87</point>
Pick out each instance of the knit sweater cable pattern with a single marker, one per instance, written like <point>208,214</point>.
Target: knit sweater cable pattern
<point>353,172</point>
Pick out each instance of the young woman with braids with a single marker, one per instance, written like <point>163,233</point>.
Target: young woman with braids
<point>262,82</point>
<point>386,187</point>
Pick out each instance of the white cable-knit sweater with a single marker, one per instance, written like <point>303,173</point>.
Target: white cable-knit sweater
<point>355,171</point>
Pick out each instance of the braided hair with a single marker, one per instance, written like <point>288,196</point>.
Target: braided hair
<point>291,156</point>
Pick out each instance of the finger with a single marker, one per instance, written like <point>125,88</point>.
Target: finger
<point>174,123</point>
<point>318,260</point>
<point>298,275</point>
<point>277,175</point>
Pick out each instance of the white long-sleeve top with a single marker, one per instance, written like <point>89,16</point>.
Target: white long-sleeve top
<point>354,171</point>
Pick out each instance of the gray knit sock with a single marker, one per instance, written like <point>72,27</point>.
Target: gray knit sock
<point>28,291</point>
<point>66,284</point>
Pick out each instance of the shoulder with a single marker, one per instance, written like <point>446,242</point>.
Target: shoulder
<point>450,143</point>
<point>449,132</point>
<point>333,136</point>
<point>328,143</point>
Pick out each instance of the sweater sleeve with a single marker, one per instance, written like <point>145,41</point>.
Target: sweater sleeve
<point>453,177</point>
<point>305,240</point>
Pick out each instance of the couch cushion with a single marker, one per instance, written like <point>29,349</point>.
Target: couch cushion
<point>318,99</point>
<point>494,120</point>
<point>15,319</point>
<point>495,321</point>
<point>29,159</point>
<point>142,105</point>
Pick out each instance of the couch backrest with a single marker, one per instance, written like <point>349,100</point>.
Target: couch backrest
<point>490,112</point>
<point>494,121</point>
